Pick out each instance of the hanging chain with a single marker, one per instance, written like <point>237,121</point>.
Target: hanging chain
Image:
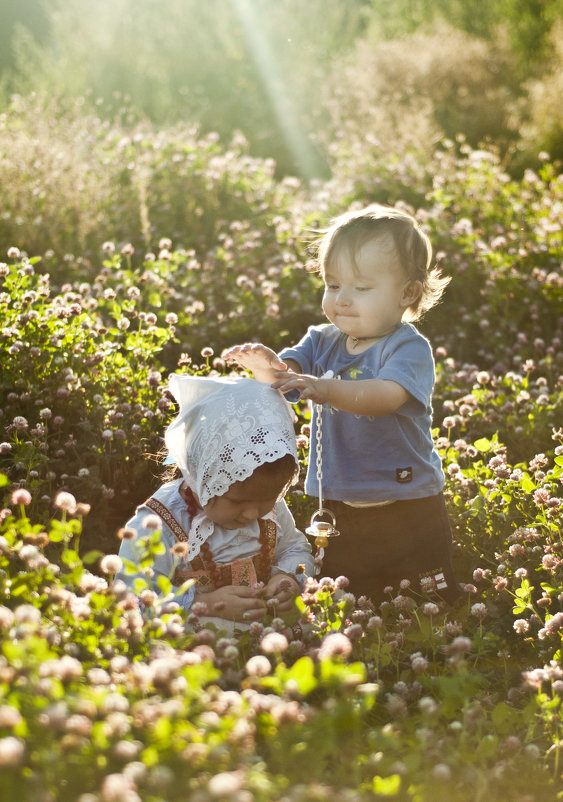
<point>319,451</point>
<point>319,529</point>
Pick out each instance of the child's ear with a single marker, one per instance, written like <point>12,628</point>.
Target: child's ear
<point>411,293</point>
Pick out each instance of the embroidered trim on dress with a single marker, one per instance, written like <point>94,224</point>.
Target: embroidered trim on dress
<point>163,512</point>
<point>239,572</point>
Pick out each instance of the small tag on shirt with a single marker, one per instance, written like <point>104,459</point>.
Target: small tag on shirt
<point>403,475</point>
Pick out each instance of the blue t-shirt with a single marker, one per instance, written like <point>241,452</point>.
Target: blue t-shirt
<point>368,458</point>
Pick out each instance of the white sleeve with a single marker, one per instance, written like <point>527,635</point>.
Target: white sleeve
<point>133,551</point>
<point>293,548</point>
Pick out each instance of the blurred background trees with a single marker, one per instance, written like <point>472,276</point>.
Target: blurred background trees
<point>302,81</point>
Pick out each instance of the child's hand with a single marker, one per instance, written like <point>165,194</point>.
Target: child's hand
<point>258,358</point>
<point>234,602</point>
<point>308,386</point>
<point>283,588</point>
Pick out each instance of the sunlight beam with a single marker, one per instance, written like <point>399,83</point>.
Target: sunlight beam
<point>282,104</point>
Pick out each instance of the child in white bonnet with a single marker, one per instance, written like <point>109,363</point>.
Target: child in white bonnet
<point>224,522</point>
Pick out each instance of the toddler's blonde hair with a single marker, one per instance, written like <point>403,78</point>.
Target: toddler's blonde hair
<point>414,250</point>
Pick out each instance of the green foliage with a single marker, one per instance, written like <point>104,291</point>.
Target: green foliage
<point>253,61</point>
<point>294,77</point>
<point>101,699</point>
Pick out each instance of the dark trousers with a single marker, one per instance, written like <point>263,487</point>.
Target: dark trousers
<point>380,546</point>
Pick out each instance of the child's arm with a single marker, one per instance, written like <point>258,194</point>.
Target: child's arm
<point>362,397</point>
<point>258,358</point>
<point>134,550</point>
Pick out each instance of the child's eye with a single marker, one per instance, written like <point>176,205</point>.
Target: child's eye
<point>332,286</point>
<point>363,289</point>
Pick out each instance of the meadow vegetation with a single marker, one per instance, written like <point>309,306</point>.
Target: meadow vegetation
<point>132,248</point>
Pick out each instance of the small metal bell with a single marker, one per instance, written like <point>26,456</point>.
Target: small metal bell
<point>322,530</point>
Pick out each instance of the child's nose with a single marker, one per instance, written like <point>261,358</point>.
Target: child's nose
<point>343,297</point>
<point>255,511</point>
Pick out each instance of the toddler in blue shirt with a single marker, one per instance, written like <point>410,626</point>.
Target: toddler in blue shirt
<point>373,374</point>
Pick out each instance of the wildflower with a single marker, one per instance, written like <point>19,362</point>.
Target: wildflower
<point>258,666</point>
<point>207,352</point>
<point>21,496</point>
<point>541,496</point>
<point>419,663</point>
<point>199,608</point>
<point>428,705</point>
<point>225,784</point>
<point>108,247</point>
<point>469,588</point>
<point>154,378</point>
<point>14,253</point>
<point>354,632</point>
<point>336,644</point>
<point>126,533</point>
<point>533,751</point>
<point>395,706</point>
<point>20,422</point>
<point>111,564</point>
<point>10,717</point>
<point>375,622</point>
<point>66,502</point>
<point>256,628</point>
<point>118,788</point>
<point>521,625</point>
<point>128,249</point>
<point>554,624</point>
<point>430,609</point>
<point>65,668</point>
<point>171,319</point>
<point>11,751</point>
<point>7,617</point>
<point>479,610</point>
<point>274,643</point>
<point>460,644</point>
<point>152,522</point>
<point>441,772</point>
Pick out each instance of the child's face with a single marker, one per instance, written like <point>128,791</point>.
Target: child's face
<point>245,502</point>
<point>366,296</point>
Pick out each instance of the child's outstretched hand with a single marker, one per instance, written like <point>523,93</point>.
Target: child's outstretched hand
<point>281,591</point>
<point>309,387</point>
<point>258,358</point>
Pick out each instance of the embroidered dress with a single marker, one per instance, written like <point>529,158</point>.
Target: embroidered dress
<point>206,573</point>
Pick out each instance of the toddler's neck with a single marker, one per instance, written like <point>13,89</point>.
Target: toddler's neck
<point>353,343</point>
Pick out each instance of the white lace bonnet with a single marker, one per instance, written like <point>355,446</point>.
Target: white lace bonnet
<point>226,427</point>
